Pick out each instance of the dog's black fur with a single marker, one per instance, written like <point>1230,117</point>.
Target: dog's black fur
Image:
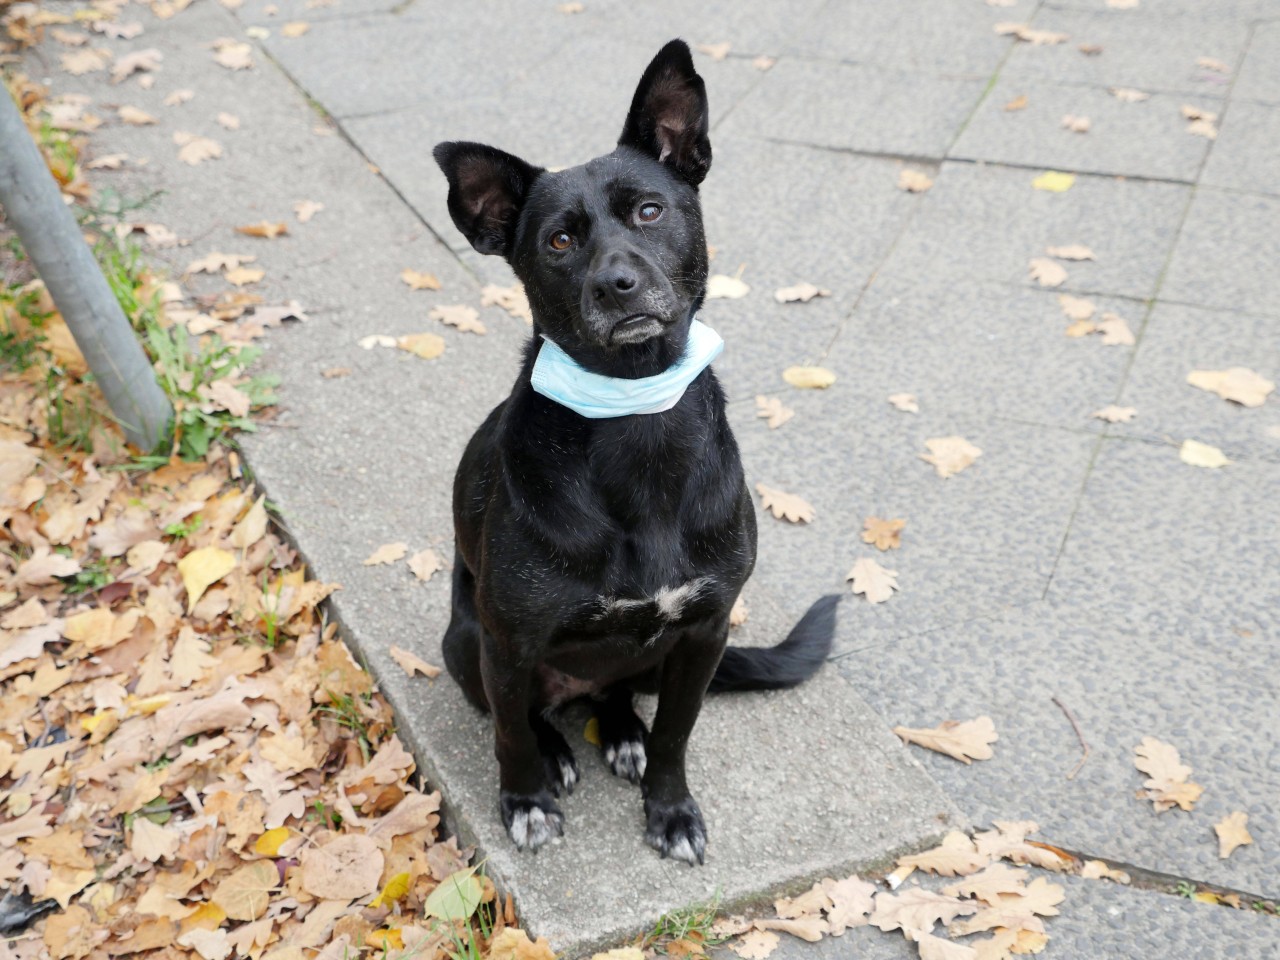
<point>601,557</point>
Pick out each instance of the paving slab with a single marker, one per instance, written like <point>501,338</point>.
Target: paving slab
<point>1179,339</point>
<point>1225,254</point>
<point>1247,11</point>
<point>983,348</point>
<point>975,544</point>
<point>1257,79</point>
<point>273,14</point>
<point>952,37</point>
<point>860,107</point>
<point>786,214</point>
<point>1140,49</point>
<point>1244,155</point>
<point>986,222</point>
<point>1097,920</point>
<point>1147,139</point>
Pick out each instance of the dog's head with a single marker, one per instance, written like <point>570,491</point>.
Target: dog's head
<point>612,253</point>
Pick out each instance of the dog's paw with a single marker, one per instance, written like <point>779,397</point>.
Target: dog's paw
<point>531,819</point>
<point>562,771</point>
<point>626,757</point>
<point>676,830</point>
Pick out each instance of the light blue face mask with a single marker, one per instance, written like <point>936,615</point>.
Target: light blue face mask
<point>559,377</point>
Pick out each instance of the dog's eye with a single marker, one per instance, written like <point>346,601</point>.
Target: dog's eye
<point>560,240</point>
<point>649,212</point>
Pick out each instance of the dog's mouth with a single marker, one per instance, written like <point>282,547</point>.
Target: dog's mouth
<point>635,329</point>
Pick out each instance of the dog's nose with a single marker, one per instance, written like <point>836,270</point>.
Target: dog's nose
<point>615,284</point>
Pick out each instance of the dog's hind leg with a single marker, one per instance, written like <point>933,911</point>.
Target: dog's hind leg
<point>557,756</point>
<point>462,639</point>
<point>622,734</point>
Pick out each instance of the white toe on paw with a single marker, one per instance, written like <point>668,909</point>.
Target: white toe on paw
<point>610,754</point>
<point>568,775</point>
<point>682,850</point>
<point>520,828</point>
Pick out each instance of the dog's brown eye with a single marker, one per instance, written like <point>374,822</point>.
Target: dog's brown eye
<point>560,240</point>
<point>649,212</point>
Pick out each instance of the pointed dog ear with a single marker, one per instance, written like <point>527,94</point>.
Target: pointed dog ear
<point>669,117</point>
<point>487,188</point>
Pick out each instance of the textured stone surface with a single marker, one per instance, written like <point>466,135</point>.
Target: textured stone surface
<point>1257,79</point>
<point>1244,157</point>
<point>1147,139</point>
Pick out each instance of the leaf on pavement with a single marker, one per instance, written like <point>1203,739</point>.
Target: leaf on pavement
<point>738,613</point>
<point>196,149</point>
<point>138,61</point>
<point>1076,124</point>
<point>294,29</point>
<point>425,564</point>
<point>756,945</point>
<point>914,911</point>
<point>716,51</point>
<point>1237,384</point>
<point>956,856</point>
<point>1017,103</point>
<point>883,534</point>
<point>965,740</point>
<point>800,293</point>
<point>1232,832</point>
<point>411,663</point>
<point>1211,63</point>
<point>772,410</point>
<point>940,948</point>
<point>304,210</point>
<point>1098,870</point>
<point>1115,331</point>
<point>417,280</point>
<point>809,378</point>
<point>784,506</point>
<point>465,318</point>
<point>1075,251</point>
<point>1046,272</point>
<point>216,262</point>
<point>387,553</point>
<point>906,402</point>
<point>1197,454</point>
<point>810,928</point>
<point>135,117</point>
<point>243,276</point>
<point>1129,95</point>
<point>233,54</point>
<point>265,229</point>
<point>873,580</point>
<point>228,121</point>
<point>950,455</point>
<point>511,299</point>
<point>178,97</point>
<point>1167,785</point>
<point>990,886</point>
<point>1054,181</point>
<point>1115,414</point>
<point>1076,308</point>
<point>723,287</point>
<point>428,346</point>
<point>89,60</point>
<point>914,181</point>
<point>851,903</point>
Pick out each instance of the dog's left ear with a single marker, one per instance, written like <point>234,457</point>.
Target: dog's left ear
<point>669,118</point>
<point>487,188</point>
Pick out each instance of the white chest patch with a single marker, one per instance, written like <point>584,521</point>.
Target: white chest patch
<point>668,603</point>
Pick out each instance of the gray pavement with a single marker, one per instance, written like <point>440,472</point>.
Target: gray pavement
<point>1074,559</point>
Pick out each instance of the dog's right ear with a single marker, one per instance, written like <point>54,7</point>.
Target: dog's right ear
<point>669,117</point>
<point>487,188</point>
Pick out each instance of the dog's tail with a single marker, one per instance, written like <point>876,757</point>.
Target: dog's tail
<point>794,660</point>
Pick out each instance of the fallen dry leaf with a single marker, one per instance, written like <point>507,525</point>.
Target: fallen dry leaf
<point>1075,251</point>
<point>1098,870</point>
<point>1129,95</point>
<point>570,8</point>
<point>950,455</point>
<point>772,410</point>
<point>245,893</point>
<point>763,62</point>
<point>228,121</point>
<point>723,287</point>
<point>965,740</point>
<point>377,340</point>
<point>1017,103</point>
<point>345,868</point>
<point>1167,785</point>
<point>387,553</point>
<point>906,402</point>
<point>914,911</point>
<point>716,51</point>
<point>80,62</point>
<point>178,97</point>
<point>1076,308</point>
<point>428,346</point>
<point>956,856</point>
<point>1209,63</point>
<point>1237,384</point>
<point>756,945</point>
<point>233,54</point>
<point>243,276</point>
<point>425,564</point>
<point>465,318</point>
<point>217,262</point>
<point>1027,34</point>
<point>196,149</point>
<point>511,299</point>
<point>1054,181</point>
<point>304,210</point>
<point>738,613</point>
<point>882,534</point>
<point>265,229</point>
<point>800,293</point>
<point>940,948</point>
<point>1115,331</point>
<point>1076,124</point>
<point>138,61</point>
<point>1203,128</point>
<point>294,29</point>
<point>990,886</point>
<point>1114,414</point>
<point>809,378</point>
<point>417,280</point>
<point>1046,272</point>
<point>202,568</point>
<point>913,181</point>
<point>1197,454</point>
<point>1232,832</point>
<point>411,663</point>
<point>784,506</point>
<point>109,161</point>
<point>872,580</point>
<point>135,117</point>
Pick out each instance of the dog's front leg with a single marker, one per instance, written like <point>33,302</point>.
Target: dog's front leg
<point>529,812</point>
<point>675,827</point>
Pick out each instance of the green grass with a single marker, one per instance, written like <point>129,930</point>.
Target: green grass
<point>343,710</point>
<point>694,921</point>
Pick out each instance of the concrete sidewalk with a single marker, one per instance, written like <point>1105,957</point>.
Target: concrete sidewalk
<point>1075,559</point>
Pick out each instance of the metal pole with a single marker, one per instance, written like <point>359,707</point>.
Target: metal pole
<point>34,206</point>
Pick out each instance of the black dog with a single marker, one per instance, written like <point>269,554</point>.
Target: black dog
<point>599,555</point>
